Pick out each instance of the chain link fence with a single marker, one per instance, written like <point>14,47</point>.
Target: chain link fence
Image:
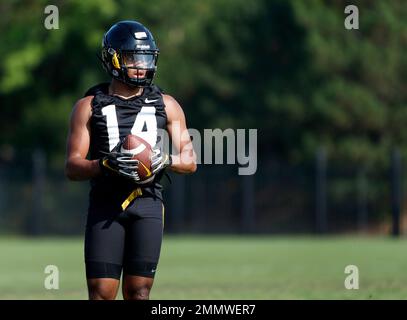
<point>37,199</point>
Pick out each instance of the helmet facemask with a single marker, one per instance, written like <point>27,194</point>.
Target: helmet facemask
<point>133,67</point>
<point>139,66</point>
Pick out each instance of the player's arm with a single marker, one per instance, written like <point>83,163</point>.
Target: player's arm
<point>185,160</point>
<point>77,167</point>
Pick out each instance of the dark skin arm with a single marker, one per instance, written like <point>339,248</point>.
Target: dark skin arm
<point>77,167</point>
<point>185,160</point>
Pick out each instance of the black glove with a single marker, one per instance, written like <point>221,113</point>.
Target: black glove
<point>159,160</point>
<point>120,164</point>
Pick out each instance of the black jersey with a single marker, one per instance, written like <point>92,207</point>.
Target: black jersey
<point>112,119</point>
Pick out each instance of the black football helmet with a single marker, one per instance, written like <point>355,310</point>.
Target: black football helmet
<point>129,45</point>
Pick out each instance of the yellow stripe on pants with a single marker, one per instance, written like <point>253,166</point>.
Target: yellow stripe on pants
<point>137,192</point>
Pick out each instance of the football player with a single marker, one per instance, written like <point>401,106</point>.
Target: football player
<point>124,225</point>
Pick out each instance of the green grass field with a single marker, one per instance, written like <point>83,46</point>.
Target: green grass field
<point>222,267</point>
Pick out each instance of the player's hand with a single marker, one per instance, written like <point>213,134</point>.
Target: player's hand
<point>159,160</point>
<point>120,163</point>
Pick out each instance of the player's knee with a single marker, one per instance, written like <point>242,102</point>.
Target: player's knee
<point>100,291</point>
<point>100,294</point>
<point>141,292</point>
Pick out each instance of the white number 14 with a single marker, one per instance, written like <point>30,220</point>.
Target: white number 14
<point>146,117</point>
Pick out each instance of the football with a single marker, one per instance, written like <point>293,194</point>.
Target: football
<point>142,151</point>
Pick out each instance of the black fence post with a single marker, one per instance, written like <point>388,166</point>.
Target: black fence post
<point>38,189</point>
<point>3,195</point>
<point>362,192</point>
<point>248,207</point>
<point>396,171</point>
<point>178,203</point>
<point>321,193</point>
<point>199,202</point>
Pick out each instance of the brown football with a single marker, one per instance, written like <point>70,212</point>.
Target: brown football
<point>141,150</point>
